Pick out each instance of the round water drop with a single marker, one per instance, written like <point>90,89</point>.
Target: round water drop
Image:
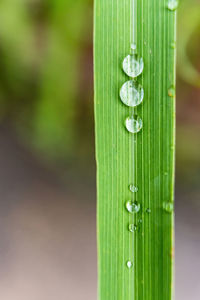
<point>133,124</point>
<point>148,210</point>
<point>168,207</point>
<point>129,264</point>
<point>171,91</point>
<point>172,4</point>
<point>133,47</point>
<point>133,189</point>
<point>132,207</point>
<point>131,93</point>
<point>173,45</point>
<point>133,65</point>
<point>140,221</point>
<point>132,228</point>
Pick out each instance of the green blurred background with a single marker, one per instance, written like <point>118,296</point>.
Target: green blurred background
<point>47,173</point>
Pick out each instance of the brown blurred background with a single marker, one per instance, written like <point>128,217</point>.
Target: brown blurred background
<point>47,164</point>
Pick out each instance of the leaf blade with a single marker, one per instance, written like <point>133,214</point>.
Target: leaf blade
<point>145,159</point>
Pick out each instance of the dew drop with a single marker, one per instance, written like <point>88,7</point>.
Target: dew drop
<point>133,47</point>
<point>172,4</point>
<point>133,124</point>
<point>171,91</point>
<point>132,228</point>
<point>148,210</point>
<point>133,65</point>
<point>168,207</point>
<point>129,264</point>
<point>132,207</point>
<point>173,45</point>
<point>140,221</point>
<point>131,93</point>
<point>133,189</point>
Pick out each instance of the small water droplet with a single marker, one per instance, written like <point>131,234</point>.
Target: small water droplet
<point>172,4</point>
<point>140,221</point>
<point>133,189</point>
<point>171,91</point>
<point>173,45</point>
<point>131,93</point>
<point>133,65</point>
<point>132,207</point>
<point>168,207</point>
<point>133,124</point>
<point>132,228</point>
<point>129,264</point>
<point>133,47</point>
<point>148,210</point>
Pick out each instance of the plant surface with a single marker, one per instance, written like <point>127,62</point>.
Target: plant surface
<point>135,171</point>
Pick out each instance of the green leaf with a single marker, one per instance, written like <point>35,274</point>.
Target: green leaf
<point>145,159</point>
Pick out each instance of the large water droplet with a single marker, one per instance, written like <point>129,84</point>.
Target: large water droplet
<point>131,93</point>
<point>132,207</point>
<point>133,65</point>
<point>133,189</point>
<point>168,207</point>
<point>129,264</point>
<point>172,4</point>
<point>132,228</point>
<point>133,124</point>
<point>171,91</point>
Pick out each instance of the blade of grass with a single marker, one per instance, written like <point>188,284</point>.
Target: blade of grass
<point>145,159</point>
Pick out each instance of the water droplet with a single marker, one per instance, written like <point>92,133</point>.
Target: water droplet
<point>133,47</point>
<point>133,124</point>
<point>132,207</point>
<point>140,221</point>
<point>148,210</point>
<point>129,264</point>
<point>133,189</point>
<point>172,4</point>
<point>133,65</point>
<point>132,228</point>
<point>173,45</point>
<point>168,207</point>
<point>171,91</point>
<point>131,93</point>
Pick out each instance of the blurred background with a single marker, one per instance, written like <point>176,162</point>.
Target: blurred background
<point>47,163</point>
